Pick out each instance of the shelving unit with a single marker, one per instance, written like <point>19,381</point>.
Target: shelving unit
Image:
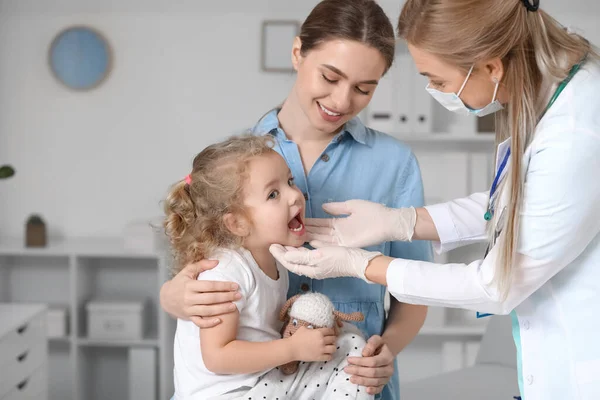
<point>71,272</point>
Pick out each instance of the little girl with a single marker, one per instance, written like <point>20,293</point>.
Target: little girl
<point>239,199</point>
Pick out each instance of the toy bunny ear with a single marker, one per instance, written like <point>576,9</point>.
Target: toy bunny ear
<point>355,316</point>
<point>284,310</point>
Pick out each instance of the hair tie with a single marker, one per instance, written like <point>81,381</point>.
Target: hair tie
<point>188,179</point>
<point>531,5</point>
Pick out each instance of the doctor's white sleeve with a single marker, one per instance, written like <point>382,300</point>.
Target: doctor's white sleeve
<point>459,222</point>
<point>560,216</point>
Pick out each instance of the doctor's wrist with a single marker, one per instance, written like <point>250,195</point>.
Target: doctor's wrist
<point>376,270</point>
<point>402,224</point>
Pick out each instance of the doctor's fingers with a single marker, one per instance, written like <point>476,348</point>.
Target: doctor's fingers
<point>320,230</point>
<point>302,257</point>
<point>304,270</point>
<point>312,223</point>
<point>292,248</point>
<point>317,244</point>
<point>331,240</point>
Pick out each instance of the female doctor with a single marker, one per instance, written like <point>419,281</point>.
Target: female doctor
<point>541,216</point>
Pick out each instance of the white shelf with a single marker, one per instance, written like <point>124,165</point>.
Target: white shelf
<point>85,247</point>
<point>61,340</point>
<point>72,272</point>
<point>446,137</point>
<point>452,331</point>
<point>85,342</point>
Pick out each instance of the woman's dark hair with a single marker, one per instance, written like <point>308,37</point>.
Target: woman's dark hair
<point>362,21</point>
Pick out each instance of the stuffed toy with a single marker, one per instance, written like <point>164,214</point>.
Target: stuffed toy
<point>311,310</point>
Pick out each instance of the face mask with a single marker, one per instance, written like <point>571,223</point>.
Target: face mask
<point>453,103</point>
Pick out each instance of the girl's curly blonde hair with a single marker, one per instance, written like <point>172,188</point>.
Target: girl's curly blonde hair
<point>194,212</point>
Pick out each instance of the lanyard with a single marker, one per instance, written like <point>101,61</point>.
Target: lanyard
<point>490,210</point>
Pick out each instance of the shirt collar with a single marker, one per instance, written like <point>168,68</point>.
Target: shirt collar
<point>269,123</point>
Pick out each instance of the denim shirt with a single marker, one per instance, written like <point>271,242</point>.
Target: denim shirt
<point>359,163</point>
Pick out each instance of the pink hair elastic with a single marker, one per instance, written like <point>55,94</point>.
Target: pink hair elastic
<point>188,179</point>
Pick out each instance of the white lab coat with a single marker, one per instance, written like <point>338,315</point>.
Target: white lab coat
<point>556,287</point>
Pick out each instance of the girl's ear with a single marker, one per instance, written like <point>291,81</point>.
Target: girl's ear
<point>236,224</point>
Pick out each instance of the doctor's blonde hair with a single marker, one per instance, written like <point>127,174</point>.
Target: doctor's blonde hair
<point>194,211</point>
<point>537,54</point>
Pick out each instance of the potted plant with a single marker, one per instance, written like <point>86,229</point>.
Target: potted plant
<point>6,171</point>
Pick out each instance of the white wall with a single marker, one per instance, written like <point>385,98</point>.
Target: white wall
<point>186,74</point>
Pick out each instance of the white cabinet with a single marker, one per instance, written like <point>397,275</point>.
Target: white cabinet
<point>23,352</point>
<point>68,275</point>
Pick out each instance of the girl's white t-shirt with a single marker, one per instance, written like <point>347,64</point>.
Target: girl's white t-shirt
<point>262,299</point>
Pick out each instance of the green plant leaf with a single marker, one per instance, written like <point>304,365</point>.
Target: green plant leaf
<point>6,171</point>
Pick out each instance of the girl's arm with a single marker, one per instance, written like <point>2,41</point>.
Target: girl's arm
<point>223,354</point>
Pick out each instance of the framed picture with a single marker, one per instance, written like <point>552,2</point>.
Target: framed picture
<point>276,47</point>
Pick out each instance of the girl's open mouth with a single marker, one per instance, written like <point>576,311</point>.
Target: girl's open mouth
<point>296,225</point>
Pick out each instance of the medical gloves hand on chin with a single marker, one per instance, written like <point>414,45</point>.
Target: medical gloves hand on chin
<point>367,224</point>
<point>324,262</point>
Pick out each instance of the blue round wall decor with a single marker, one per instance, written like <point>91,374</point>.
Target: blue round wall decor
<point>80,57</point>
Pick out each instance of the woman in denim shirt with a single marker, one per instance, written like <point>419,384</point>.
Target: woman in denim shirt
<point>343,50</point>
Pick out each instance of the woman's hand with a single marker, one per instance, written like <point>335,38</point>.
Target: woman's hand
<point>375,368</point>
<point>367,224</point>
<point>313,344</point>
<point>186,297</point>
<point>326,262</point>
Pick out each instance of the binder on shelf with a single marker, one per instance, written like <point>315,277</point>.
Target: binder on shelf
<point>421,118</point>
<point>403,74</point>
<point>380,112</point>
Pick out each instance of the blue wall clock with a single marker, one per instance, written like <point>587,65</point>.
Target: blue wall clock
<point>80,57</point>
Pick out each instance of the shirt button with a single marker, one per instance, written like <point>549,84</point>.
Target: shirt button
<point>529,379</point>
<point>526,325</point>
<point>325,158</point>
<point>304,287</point>
<point>305,196</point>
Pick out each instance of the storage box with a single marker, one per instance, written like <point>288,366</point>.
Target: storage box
<point>57,322</point>
<point>118,320</point>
